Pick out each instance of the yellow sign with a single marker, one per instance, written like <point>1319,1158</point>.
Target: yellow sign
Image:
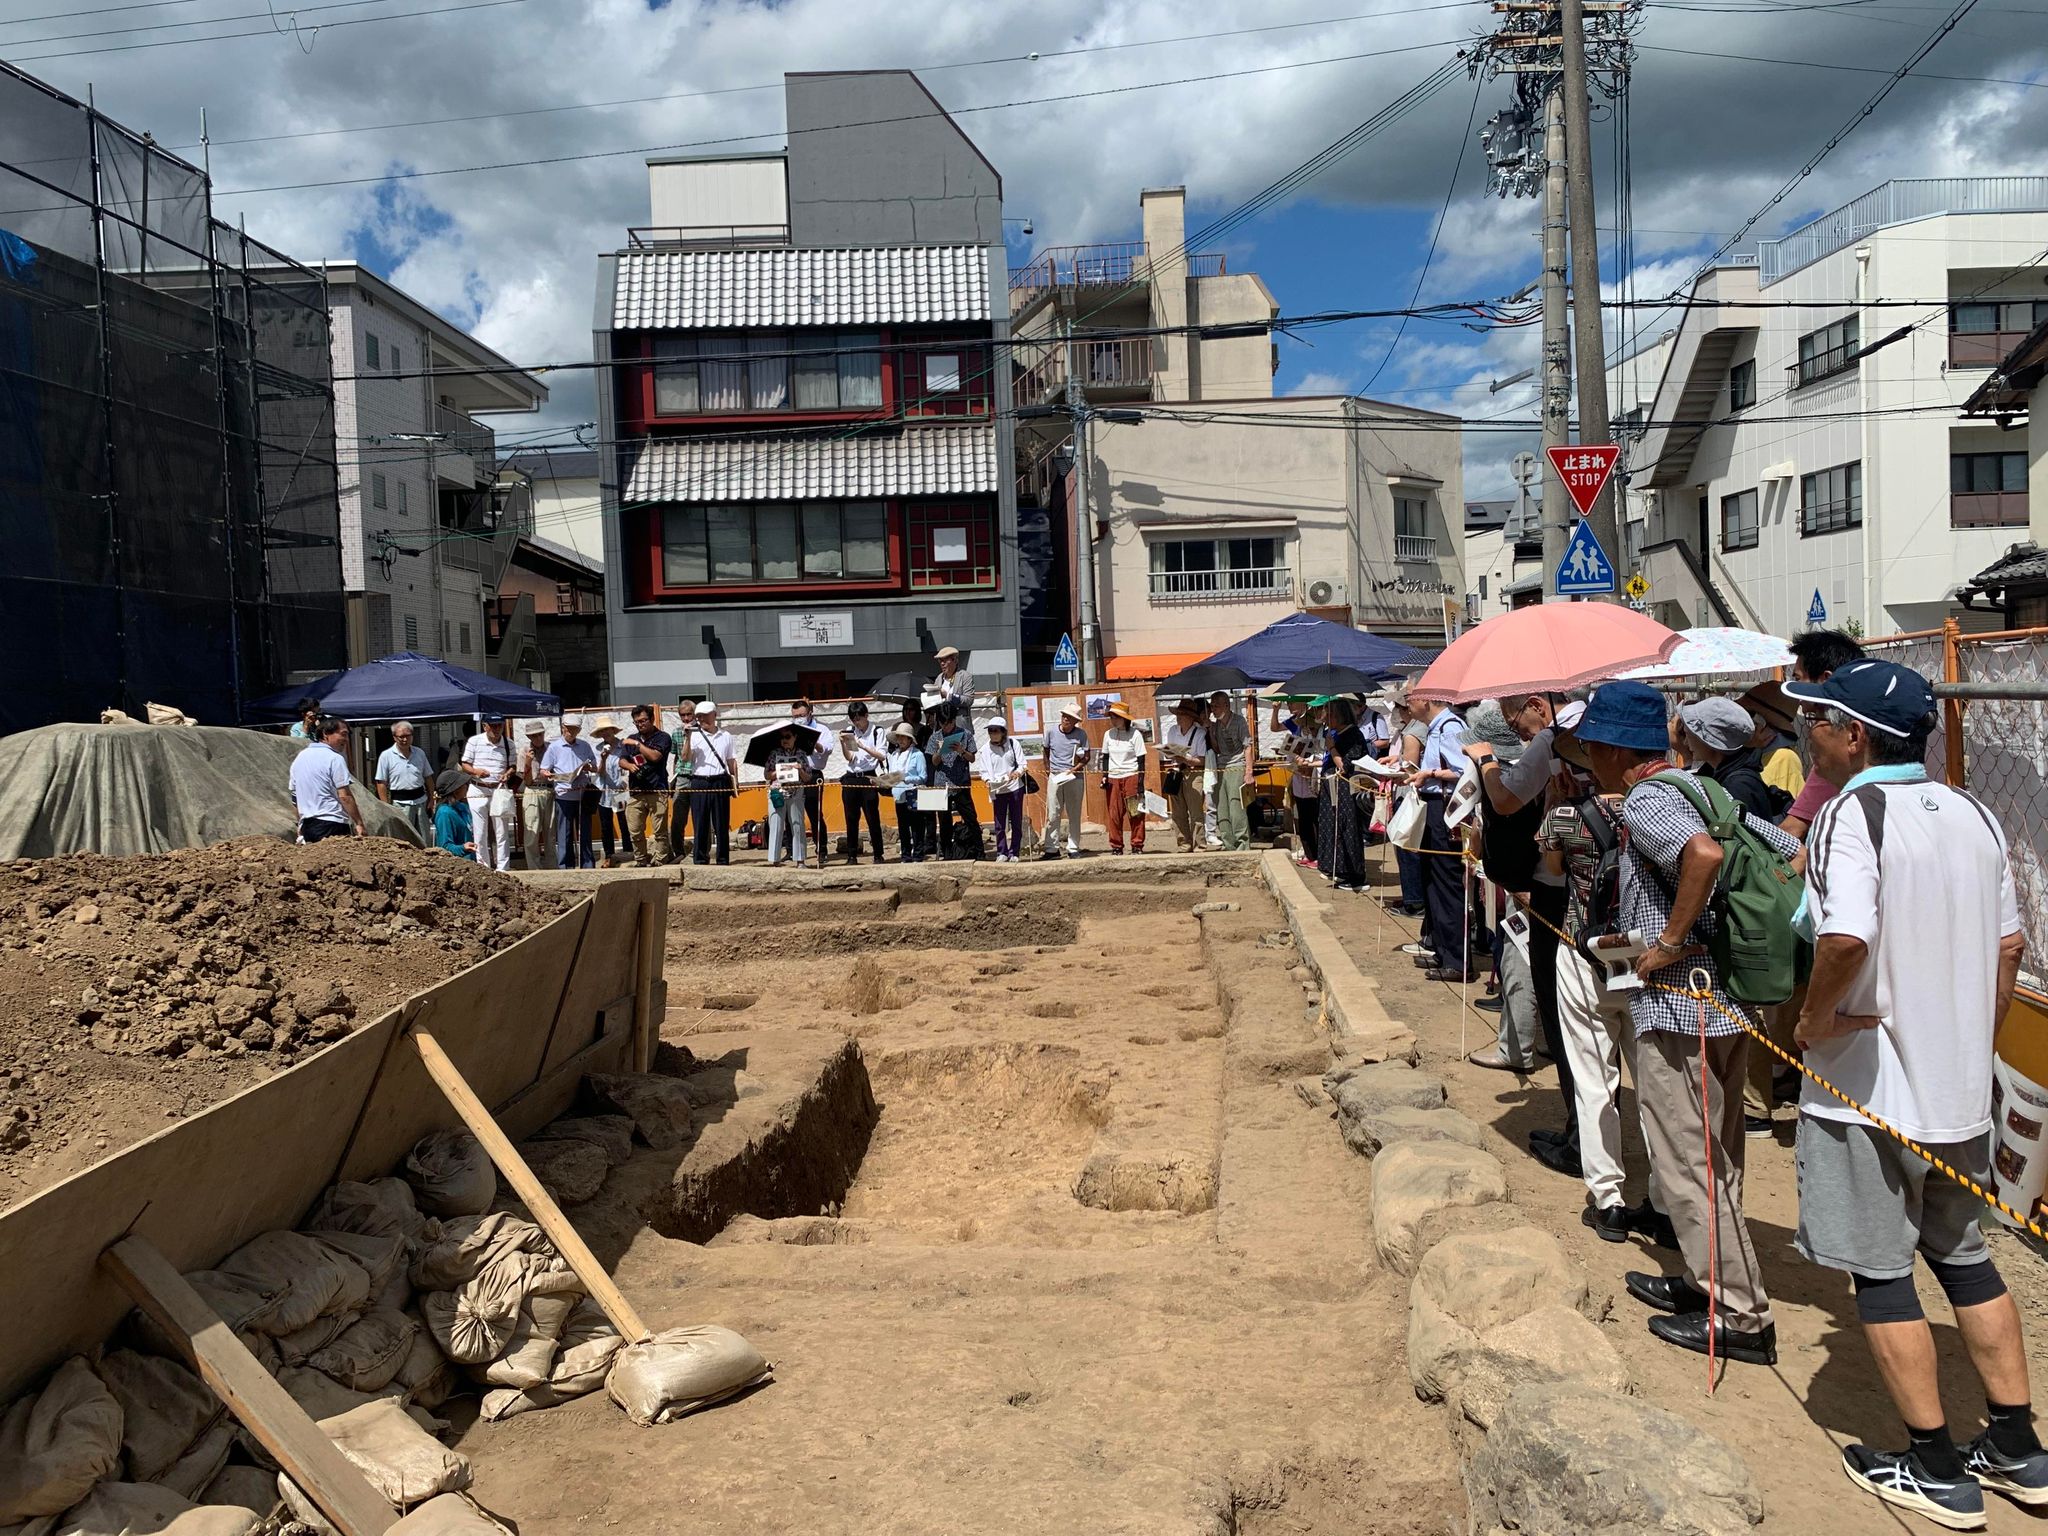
<point>1637,588</point>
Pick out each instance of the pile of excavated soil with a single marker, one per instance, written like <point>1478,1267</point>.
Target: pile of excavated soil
<point>137,990</point>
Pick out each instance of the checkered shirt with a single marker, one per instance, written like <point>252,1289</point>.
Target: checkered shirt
<point>1658,821</point>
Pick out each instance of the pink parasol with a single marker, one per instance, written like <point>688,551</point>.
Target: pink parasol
<point>1545,649</point>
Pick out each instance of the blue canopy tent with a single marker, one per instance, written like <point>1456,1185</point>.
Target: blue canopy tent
<point>407,686</point>
<point>1301,641</point>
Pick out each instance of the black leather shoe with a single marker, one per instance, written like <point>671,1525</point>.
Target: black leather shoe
<point>1611,1223</point>
<point>1655,1225</point>
<point>1491,1004</point>
<point>1558,1157</point>
<point>1691,1332</point>
<point>1547,1133</point>
<point>1666,1293</point>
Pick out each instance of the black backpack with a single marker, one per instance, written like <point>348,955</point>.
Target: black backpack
<point>1603,897</point>
<point>1509,853</point>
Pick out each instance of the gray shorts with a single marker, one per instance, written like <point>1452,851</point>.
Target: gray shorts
<point>1867,1203</point>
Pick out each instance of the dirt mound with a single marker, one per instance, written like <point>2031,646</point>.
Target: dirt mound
<point>136,990</point>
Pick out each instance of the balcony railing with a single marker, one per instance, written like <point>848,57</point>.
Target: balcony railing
<point>657,236</point>
<point>1414,549</point>
<point>1982,349</point>
<point>1122,363</point>
<point>1987,509</point>
<point>461,433</point>
<point>1897,202</point>
<point>1111,264</point>
<point>1221,586</point>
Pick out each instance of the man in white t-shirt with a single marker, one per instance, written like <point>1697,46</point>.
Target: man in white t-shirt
<point>487,757</point>
<point>1917,947</point>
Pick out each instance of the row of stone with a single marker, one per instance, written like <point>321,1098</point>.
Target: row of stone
<point>1503,1328</point>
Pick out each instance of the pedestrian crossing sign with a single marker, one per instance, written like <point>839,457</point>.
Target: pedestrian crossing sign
<point>1066,658</point>
<point>1585,570</point>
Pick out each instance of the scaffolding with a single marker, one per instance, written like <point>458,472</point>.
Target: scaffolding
<point>168,484</point>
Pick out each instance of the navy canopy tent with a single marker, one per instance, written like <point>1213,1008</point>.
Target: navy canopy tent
<point>404,687</point>
<point>1301,641</point>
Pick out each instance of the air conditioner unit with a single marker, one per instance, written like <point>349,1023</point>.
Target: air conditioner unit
<point>1323,594</point>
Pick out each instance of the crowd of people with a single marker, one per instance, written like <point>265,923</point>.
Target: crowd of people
<point>1634,848</point>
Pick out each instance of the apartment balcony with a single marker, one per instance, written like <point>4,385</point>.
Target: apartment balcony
<point>1071,269</point>
<point>1987,509</point>
<point>1235,585</point>
<point>1414,549</point>
<point>1120,369</point>
<point>1897,202</point>
<point>1982,349</point>
<point>467,453</point>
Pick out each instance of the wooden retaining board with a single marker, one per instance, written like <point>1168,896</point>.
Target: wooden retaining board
<point>203,1186</point>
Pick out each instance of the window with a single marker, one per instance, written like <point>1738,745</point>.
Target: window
<point>1831,499</point>
<point>565,597</point>
<point>1829,350</point>
<point>733,374</point>
<point>1411,517</point>
<point>1738,521</point>
<point>370,351</point>
<point>1202,568</point>
<point>2011,316</point>
<point>1987,490</point>
<point>378,492</point>
<point>775,542</point>
<point>951,544</point>
<point>1742,385</point>
<point>462,635</point>
<point>412,632</point>
<point>942,373</point>
<point>402,507</point>
<point>396,366</point>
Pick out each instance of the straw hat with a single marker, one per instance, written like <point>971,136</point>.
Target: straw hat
<point>1120,712</point>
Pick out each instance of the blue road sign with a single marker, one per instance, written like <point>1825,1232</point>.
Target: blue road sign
<point>1816,611</point>
<point>1066,658</point>
<point>1585,570</point>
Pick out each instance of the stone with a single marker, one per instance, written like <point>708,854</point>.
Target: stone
<point>257,1036</point>
<point>1475,1282</point>
<point>1550,1344</point>
<point>1416,1183</point>
<point>611,1134</point>
<point>1310,1091</point>
<point>328,1026</point>
<point>1182,1182</point>
<point>1571,1460</point>
<point>571,1171</point>
<point>1213,906</point>
<point>1367,1133</point>
<point>314,996</point>
<point>236,1006</point>
<point>662,1110</point>
<point>85,914</point>
<point>1385,1082</point>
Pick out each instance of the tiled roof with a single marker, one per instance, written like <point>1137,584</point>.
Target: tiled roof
<point>737,289</point>
<point>907,461</point>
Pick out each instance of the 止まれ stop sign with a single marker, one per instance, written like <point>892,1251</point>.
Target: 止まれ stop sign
<point>1584,468</point>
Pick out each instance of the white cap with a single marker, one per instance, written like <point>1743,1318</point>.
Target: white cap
<point>707,706</point>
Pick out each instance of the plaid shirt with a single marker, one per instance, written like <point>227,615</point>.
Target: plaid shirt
<point>1657,822</point>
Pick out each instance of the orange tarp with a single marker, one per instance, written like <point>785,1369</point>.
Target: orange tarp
<point>1120,669</point>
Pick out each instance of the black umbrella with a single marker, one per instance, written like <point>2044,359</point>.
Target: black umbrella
<point>1329,678</point>
<point>900,686</point>
<point>765,740</point>
<point>1203,679</point>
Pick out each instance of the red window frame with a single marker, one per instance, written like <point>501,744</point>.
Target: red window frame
<point>982,569</point>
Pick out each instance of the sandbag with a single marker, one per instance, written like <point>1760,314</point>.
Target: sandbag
<point>380,1254</point>
<point>529,1356</point>
<point>402,1461</point>
<point>321,1395</point>
<point>474,1324</point>
<point>680,1370</point>
<point>297,1348</point>
<point>570,1171</point>
<point>145,1509</point>
<point>319,1282</point>
<point>451,1175</point>
<point>449,1515</point>
<point>247,1308</point>
<point>376,1208</point>
<point>613,1134</point>
<point>369,1353</point>
<point>56,1443</point>
<point>425,1375</point>
<point>200,1465</point>
<point>165,1408</point>
<point>469,1245</point>
<point>583,1357</point>
<point>250,1488</point>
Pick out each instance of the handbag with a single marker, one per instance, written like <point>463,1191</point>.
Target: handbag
<point>1169,781</point>
<point>1030,782</point>
<point>1405,827</point>
<point>502,801</point>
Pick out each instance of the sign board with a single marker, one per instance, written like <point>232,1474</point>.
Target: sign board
<point>1584,469</point>
<point>1816,611</point>
<point>1638,588</point>
<point>1066,658</point>
<point>1454,619</point>
<point>812,631</point>
<point>1585,570</point>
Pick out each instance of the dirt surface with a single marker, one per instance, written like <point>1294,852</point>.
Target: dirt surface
<point>962,1345</point>
<point>1788,1422</point>
<point>137,990</point>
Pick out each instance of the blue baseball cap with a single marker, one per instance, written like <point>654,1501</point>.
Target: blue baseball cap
<point>1882,694</point>
<point>1629,715</point>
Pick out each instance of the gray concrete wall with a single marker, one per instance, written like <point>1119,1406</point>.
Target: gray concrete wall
<point>875,160</point>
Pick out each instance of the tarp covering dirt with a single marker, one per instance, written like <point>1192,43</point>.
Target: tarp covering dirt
<point>128,789</point>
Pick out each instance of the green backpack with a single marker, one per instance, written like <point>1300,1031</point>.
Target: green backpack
<point>1760,958</point>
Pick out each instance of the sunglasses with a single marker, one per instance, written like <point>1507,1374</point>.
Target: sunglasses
<point>1814,714</point>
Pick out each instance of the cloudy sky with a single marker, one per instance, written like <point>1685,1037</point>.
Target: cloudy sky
<point>333,125</point>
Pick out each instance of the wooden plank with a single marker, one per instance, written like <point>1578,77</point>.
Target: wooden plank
<point>575,1253</point>
<point>645,1029</point>
<point>606,966</point>
<point>533,1107</point>
<point>237,1377</point>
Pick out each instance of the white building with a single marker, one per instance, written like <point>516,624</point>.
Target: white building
<point>567,505</point>
<point>420,560</point>
<point>1805,451</point>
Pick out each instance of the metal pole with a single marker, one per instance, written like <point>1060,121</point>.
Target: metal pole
<point>1557,347</point>
<point>111,496</point>
<point>1587,329</point>
<point>1084,519</point>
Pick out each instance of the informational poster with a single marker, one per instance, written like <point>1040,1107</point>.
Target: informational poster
<point>934,799</point>
<point>1098,704</point>
<point>1024,717</point>
<point>1155,805</point>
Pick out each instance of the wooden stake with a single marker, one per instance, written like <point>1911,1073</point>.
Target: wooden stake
<point>224,1363</point>
<point>549,1215</point>
<point>646,1031</point>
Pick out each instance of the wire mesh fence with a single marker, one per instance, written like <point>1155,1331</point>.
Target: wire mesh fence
<point>167,480</point>
<point>2005,765</point>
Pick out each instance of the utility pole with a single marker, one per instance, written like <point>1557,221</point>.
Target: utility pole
<point>1084,518</point>
<point>1589,334</point>
<point>1557,346</point>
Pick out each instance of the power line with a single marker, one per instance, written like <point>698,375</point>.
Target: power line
<point>273,16</point>
<point>272,31</point>
<point>1854,69</point>
<point>103,10</point>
